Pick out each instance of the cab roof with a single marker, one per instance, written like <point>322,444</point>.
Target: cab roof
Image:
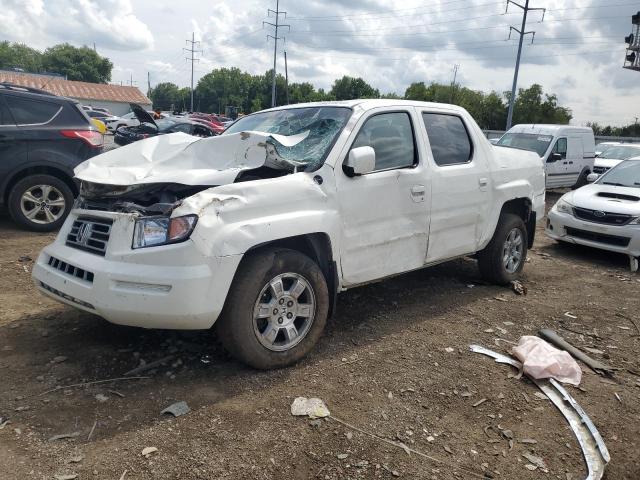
<point>548,129</point>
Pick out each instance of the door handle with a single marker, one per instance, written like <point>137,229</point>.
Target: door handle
<point>418,193</point>
<point>483,182</point>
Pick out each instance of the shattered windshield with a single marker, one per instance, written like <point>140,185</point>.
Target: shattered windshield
<point>323,124</point>
<point>526,141</point>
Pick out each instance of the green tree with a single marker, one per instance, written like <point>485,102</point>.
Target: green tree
<point>166,96</point>
<point>18,55</point>
<point>349,88</point>
<point>82,64</point>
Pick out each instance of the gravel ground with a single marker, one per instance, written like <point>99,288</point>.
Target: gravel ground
<point>394,362</point>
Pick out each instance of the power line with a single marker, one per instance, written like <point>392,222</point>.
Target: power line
<point>275,37</point>
<point>193,51</point>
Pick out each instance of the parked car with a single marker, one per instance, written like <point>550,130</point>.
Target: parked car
<point>605,214</point>
<point>216,127</point>
<point>602,146</point>
<point>258,229</point>
<point>127,120</point>
<point>567,152</point>
<point>614,155</point>
<point>149,127</point>
<point>90,108</point>
<point>42,138</point>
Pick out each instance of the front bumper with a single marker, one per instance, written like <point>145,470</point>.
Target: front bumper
<point>171,286</point>
<point>567,228</point>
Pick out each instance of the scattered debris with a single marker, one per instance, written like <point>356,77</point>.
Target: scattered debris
<point>84,384</point>
<point>100,397</point>
<point>76,459</point>
<point>25,258</point>
<point>59,359</point>
<point>66,476</point>
<point>177,409</point>
<point>618,396</point>
<point>312,407</point>
<point>449,350</point>
<point>95,424</point>
<point>560,342</point>
<point>570,315</point>
<point>593,447</point>
<point>518,287</point>
<point>148,451</point>
<point>537,461</point>
<point>149,366</point>
<point>528,441</point>
<point>479,402</point>
<point>542,360</point>
<point>63,436</point>
<point>342,456</point>
<point>116,393</point>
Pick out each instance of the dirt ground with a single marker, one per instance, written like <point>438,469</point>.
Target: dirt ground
<point>394,362</point>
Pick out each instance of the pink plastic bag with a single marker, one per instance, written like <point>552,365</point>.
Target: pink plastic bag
<point>542,360</point>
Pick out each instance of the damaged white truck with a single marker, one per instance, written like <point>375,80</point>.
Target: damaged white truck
<point>257,230</point>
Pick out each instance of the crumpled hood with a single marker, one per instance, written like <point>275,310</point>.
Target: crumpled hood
<point>616,199</point>
<point>188,160</point>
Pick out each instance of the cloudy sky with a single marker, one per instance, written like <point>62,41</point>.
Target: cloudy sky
<point>577,54</point>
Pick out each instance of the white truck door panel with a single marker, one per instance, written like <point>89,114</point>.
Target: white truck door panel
<point>385,213</point>
<point>557,170</point>
<point>575,159</point>
<point>460,188</point>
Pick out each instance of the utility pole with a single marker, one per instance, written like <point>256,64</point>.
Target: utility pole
<point>522,32</point>
<point>275,37</point>
<point>148,84</point>
<point>286,77</point>
<point>192,59</point>
<point>131,82</point>
<point>453,83</point>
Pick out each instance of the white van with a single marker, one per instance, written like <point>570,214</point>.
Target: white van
<point>568,152</point>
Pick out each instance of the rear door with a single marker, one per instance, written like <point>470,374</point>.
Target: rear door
<point>575,159</point>
<point>460,188</point>
<point>557,169</point>
<point>385,213</point>
<point>13,146</point>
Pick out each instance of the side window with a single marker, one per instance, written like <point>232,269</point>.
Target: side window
<point>5,115</point>
<point>391,137</point>
<point>561,147</point>
<point>28,112</point>
<point>449,139</point>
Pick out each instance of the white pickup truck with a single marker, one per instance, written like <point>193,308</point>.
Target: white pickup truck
<point>257,230</point>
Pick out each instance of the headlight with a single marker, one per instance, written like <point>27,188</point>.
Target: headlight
<point>154,231</point>
<point>564,207</point>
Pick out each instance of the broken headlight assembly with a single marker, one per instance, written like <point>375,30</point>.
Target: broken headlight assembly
<point>155,231</point>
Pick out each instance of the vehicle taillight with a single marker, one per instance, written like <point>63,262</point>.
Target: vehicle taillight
<point>90,137</point>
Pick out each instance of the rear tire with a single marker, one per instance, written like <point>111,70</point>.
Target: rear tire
<point>502,260</point>
<point>266,329</point>
<point>40,203</point>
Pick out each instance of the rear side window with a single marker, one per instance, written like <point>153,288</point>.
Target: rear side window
<point>449,139</point>
<point>5,116</point>
<point>29,112</point>
<point>391,137</point>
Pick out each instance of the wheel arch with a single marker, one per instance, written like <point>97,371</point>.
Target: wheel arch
<point>523,207</point>
<point>316,246</point>
<point>59,173</point>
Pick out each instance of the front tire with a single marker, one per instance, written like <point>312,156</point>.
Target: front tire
<point>40,203</point>
<point>502,260</point>
<point>276,309</point>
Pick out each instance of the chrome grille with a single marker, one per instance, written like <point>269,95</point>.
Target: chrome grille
<point>597,216</point>
<point>90,234</point>
<point>71,269</point>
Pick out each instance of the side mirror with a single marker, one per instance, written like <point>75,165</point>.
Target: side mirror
<point>592,177</point>
<point>554,157</point>
<point>361,160</point>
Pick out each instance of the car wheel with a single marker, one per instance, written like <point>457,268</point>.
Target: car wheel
<point>582,180</point>
<point>40,202</point>
<point>503,258</point>
<point>276,309</point>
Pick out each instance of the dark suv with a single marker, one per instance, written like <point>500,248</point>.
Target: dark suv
<point>43,137</point>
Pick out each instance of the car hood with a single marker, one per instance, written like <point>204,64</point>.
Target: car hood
<point>607,198</point>
<point>141,114</point>
<point>606,162</point>
<point>188,160</point>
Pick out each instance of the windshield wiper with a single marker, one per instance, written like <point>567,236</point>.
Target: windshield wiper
<point>614,184</point>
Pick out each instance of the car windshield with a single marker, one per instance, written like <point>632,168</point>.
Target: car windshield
<point>625,174</point>
<point>526,141</point>
<point>620,152</point>
<point>323,124</point>
<point>164,123</point>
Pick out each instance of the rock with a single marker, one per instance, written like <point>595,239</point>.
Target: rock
<point>101,398</point>
<point>531,467</point>
<point>535,460</point>
<point>63,436</point>
<point>148,451</point>
<point>430,438</point>
<point>390,395</point>
<point>342,456</point>
<point>66,476</point>
<point>59,359</point>
<point>76,459</point>
<point>177,409</point>
<point>349,435</point>
<point>312,407</point>
<point>449,350</point>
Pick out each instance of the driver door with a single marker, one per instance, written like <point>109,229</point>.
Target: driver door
<point>557,169</point>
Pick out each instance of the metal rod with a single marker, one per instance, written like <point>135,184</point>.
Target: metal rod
<point>512,100</point>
